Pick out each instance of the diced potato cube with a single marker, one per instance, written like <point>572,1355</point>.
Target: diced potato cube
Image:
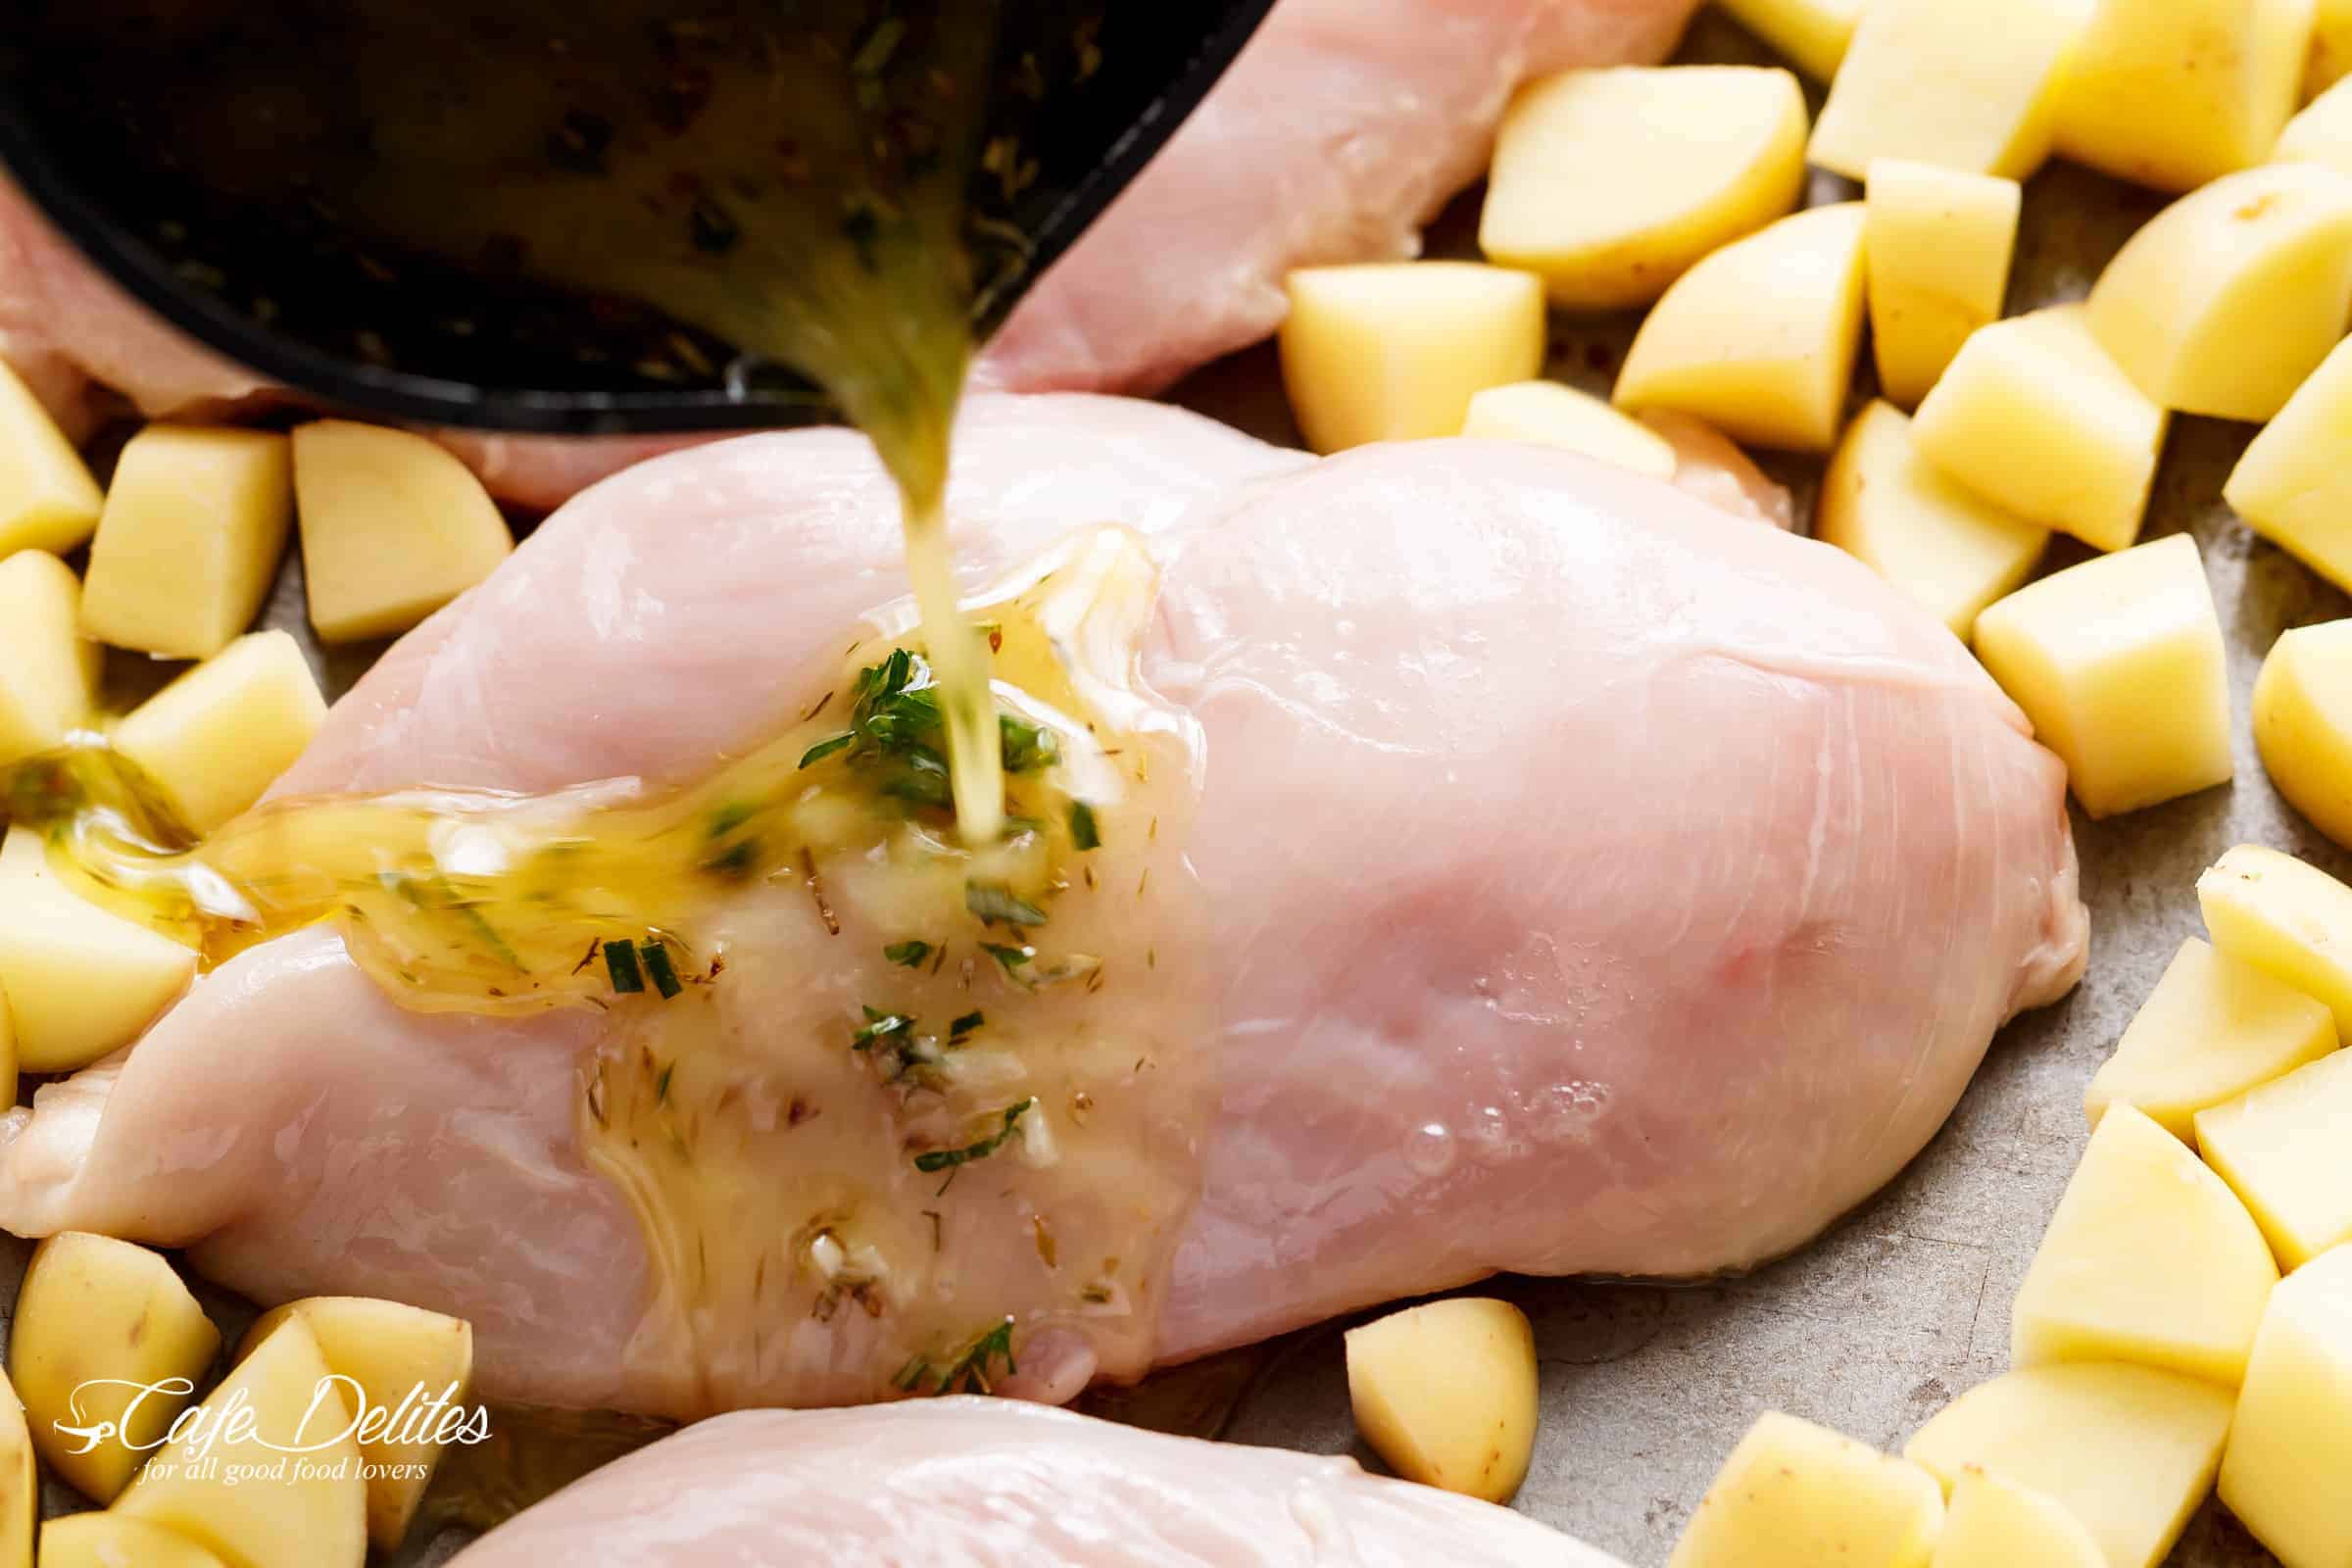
<point>48,671</point>
<point>1393,351</point>
<point>20,1482</point>
<point>1776,377</point>
<point>80,981</point>
<point>1445,1394</point>
<point>218,736</point>
<point>2321,135</point>
<point>2038,419</point>
<point>2290,1447</point>
<point>2331,47</point>
<point>1814,33</point>
<point>2292,485</point>
<point>1557,416</point>
<point>2118,663</point>
<point>2128,1450</point>
<point>2285,918</point>
<point>2285,1147</point>
<point>1948,550</point>
<point>1610,184</point>
<point>391,1351</point>
<point>2303,724</point>
<point>1794,1495</point>
<point>2214,1027</point>
<point>313,1516</point>
<point>1995,1523</point>
<point>393,527</point>
<point>2174,93</point>
<point>186,548</point>
<point>1938,242</point>
<point>97,1322</point>
<point>1962,86</point>
<point>48,500</point>
<point>109,1541</point>
<point>2151,1258</point>
<point>2230,297</point>
<point>8,1042</point>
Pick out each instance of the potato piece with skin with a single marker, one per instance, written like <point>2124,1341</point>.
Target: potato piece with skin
<point>2128,1450</point>
<point>218,736</point>
<point>1772,377</point>
<point>2303,724</point>
<point>48,671</point>
<point>80,981</point>
<point>1992,1522</point>
<point>48,500</point>
<point>2321,134</point>
<point>1970,88</point>
<point>1939,244</point>
<point>1445,1394</point>
<point>315,1517</point>
<point>97,1321</point>
<point>2290,1447</point>
<point>2108,1283</point>
<point>2119,664</point>
<point>2292,486</point>
<point>2286,1149</point>
<point>2174,93</point>
<point>2286,920</point>
<point>1794,1494</point>
<point>1393,350</point>
<point>393,527</point>
<point>2214,1027</point>
<point>399,1357</point>
<point>20,1482</point>
<point>187,546</point>
<point>1950,552</point>
<point>109,1541</point>
<point>2230,297</point>
<point>1610,184</point>
<point>1813,33</point>
<point>1556,415</point>
<point>2038,419</point>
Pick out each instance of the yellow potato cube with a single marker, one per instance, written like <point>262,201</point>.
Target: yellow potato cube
<point>1557,416</point>
<point>80,981</point>
<point>1938,243</point>
<point>1610,184</point>
<point>109,1541</point>
<point>1445,1394</point>
<point>2285,1147</point>
<point>48,671</point>
<point>2233,295</point>
<point>1393,351</point>
<point>2174,93</point>
<point>1995,1523</point>
<point>397,1356</point>
<point>2128,1450</point>
<point>2331,47</point>
<point>2321,135</point>
<point>1814,33</point>
<point>1776,377</point>
<point>2038,419</point>
<point>313,1516</point>
<point>2118,662</point>
<point>393,527</point>
<point>97,1322</point>
<point>1948,550</point>
<point>2109,1281</point>
<point>2290,1447</point>
<point>1795,1496</point>
<point>2292,485</point>
<point>2285,918</point>
<point>190,540</point>
<point>2303,724</point>
<point>48,500</point>
<point>2214,1027</point>
<point>1962,86</point>
<point>20,1482</point>
<point>218,736</point>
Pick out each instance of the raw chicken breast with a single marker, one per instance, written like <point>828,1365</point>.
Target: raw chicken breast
<point>1601,886</point>
<point>970,1483</point>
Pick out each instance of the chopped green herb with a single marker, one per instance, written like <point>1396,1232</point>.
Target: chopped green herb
<point>824,748</point>
<point>620,962</point>
<point>898,733</point>
<point>965,1025</point>
<point>992,903</point>
<point>658,967</point>
<point>938,1159</point>
<point>737,861</point>
<point>1011,960</point>
<point>662,1084</point>
<point>907,955</point>
<point>1085,834</point>
<point>727,818</point>
<point>1027,748</point>
<point>968,1372</point>
<point>880,1025</point>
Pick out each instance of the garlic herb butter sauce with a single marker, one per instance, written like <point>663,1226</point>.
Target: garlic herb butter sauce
<point>902,1078</point>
